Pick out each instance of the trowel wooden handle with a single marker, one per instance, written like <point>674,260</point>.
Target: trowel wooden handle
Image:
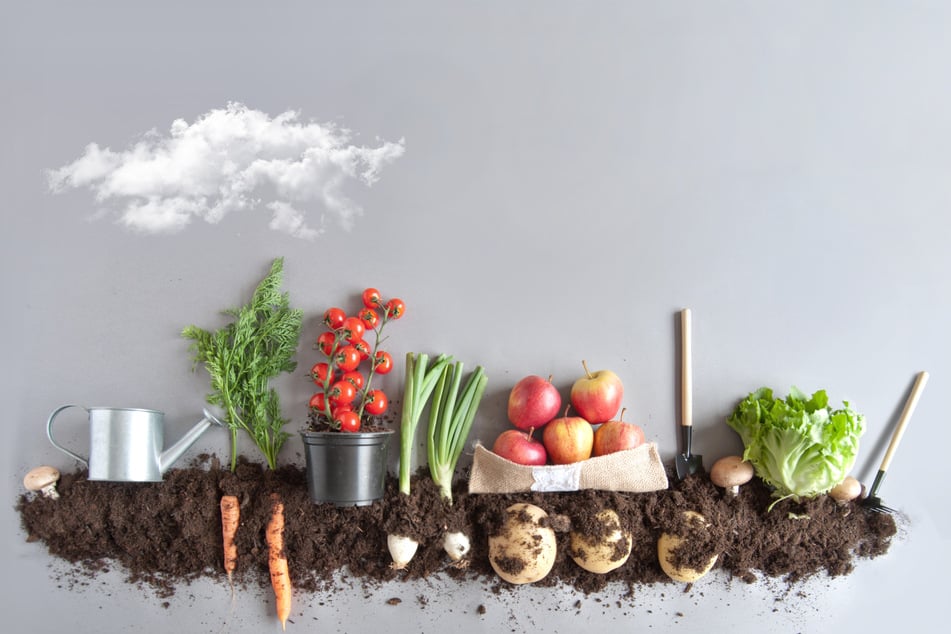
<point>906,413</point>
<point>686,370</point>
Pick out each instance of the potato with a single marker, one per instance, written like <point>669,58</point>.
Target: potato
<point>524,549</point>
<point>668,542</point>
<point>605,549</point>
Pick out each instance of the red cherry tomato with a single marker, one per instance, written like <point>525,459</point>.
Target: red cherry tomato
<point>354,377</point>
<point>369,317</point>
<point>371,298</point>
<point>395,308</point>
<point>363,348</point>
<point>348,421</point>
<point>318,402</point>
<point>353,329</point>
<point>326,342</point>
<point>333,317</point>
<point>340,409</point>
<point>320,372</point>
<point>376,403</point>
<point>383,362</point>
<point>347,358</point>
<point>342,392</point>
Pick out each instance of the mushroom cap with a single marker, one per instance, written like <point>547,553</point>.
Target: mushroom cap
<point>731,471</point>
<point>847,490</point>
<point>38,478</point>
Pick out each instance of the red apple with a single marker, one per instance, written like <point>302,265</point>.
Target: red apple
<point>520,447</point>
<point>597,395</point>
<point>616,435</point>
<point>568,439</point>
<point>533,402</point>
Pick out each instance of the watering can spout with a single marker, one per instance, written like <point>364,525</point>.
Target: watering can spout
<point>173,453</point>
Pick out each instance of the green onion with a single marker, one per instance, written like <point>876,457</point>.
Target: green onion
<point>419,385</point>
<point>450,420</point>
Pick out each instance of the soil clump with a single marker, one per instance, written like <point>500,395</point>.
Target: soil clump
<point>169,532</point>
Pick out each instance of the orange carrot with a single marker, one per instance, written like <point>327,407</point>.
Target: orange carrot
<point>230,514</point>
<point>277,560</point>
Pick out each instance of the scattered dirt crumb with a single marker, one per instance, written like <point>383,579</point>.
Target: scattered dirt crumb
<point>168,533</point>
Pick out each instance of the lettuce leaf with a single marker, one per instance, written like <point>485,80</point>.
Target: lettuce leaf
<point>797,445</point>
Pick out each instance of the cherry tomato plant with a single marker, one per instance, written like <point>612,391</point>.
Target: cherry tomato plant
<point>345,392</point>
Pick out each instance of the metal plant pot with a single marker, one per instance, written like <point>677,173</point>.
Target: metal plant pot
<point>346,469</point>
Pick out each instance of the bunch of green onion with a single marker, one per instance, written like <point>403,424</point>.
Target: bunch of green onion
<point>451,416</point>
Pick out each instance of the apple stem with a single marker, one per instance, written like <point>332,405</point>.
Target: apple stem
<point>550,376</point>
<point>621,417</point>
<point>584,364</point>
<point>531,430</point>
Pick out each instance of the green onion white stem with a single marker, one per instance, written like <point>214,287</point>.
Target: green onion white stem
<point>450,420</point>
<point>420,381</point>
<point>401,549</point>
<point>456,544</point>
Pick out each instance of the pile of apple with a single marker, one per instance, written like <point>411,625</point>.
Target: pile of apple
<point>535,404</point>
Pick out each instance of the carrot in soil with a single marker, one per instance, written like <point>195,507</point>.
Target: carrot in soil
<point>277,560</point>
<point>230,514</point>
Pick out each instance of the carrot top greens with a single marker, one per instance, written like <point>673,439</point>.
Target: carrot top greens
<point>243,357</point>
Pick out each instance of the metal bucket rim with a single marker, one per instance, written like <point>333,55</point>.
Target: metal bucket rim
<point>128,409</point>
<point>346,439</point>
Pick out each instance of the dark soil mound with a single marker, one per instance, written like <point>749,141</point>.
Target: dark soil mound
<point>170,532</point>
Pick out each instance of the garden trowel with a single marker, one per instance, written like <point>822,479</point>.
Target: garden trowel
<point>687,462</point>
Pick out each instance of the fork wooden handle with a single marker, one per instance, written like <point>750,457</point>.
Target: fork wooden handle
<point>906,413</point>
<point>686,371</point>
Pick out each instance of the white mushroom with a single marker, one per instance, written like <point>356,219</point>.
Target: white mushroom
<point>43,479</point>
<point>730,473</point>
<point>846,491</point>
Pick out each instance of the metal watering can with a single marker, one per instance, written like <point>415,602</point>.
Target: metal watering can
<point>126,444</point>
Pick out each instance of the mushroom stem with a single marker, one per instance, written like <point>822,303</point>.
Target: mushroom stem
<point>730,473</point>
<point>846,491</point>
<point>43,479</point>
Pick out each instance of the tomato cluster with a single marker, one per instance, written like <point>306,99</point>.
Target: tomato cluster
<point>344,392</point>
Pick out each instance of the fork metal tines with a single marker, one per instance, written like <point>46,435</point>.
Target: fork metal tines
<point>876,506</point>
<point>874,503</point>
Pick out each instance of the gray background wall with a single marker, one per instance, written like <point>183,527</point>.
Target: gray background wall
<point>574,174</point>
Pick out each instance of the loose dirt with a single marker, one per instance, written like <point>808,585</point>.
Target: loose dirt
<point>163,534</point>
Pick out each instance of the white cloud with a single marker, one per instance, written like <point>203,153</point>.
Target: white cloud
<point>230,159</point>
<point>290,220</point>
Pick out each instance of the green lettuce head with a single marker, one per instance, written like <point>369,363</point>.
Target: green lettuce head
<point>797,445</point>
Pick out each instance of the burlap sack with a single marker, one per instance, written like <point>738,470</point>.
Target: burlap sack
<point>634,470</point>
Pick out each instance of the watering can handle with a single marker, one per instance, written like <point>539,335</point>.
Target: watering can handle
<point>49,434</point>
